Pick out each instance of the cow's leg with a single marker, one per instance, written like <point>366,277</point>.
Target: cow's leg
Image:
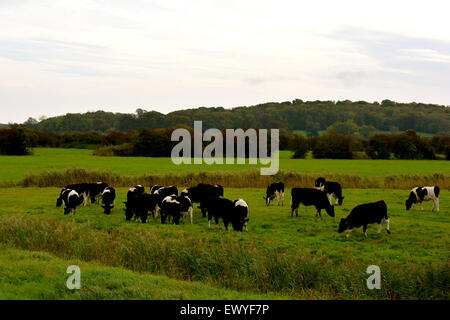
<point>348,232</point>
<point>216,219</point>
<point>437,204</point>
<point>365,230</point>
<point>387,226</point>
<point>329,199</point>
<point>421,206</point>
<point>245,226</point>
<point>282,198</point>
<point>191,213</point>
<point>209,223</point>
<point>413,206</point>
<point>379,226</point>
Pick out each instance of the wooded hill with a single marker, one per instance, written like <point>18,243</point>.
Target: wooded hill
<point>310,116</point>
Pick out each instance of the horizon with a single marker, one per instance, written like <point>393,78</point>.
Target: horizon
<point>60,57</point>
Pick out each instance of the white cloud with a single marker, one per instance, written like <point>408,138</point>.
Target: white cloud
<point>65,56</point>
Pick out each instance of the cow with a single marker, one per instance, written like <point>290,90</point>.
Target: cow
<point>240,217</point>
<point>71,200</point>
<point>154,188</point>
<point>420,194</point>
<point>171,206</point>
<point>108,197</point>
<point>219,208</point>
<point>186,207</point>
<point>59,200</point>
<point>331,188</point>
<point>364,214</point>
<point>81,188</point>
<point>275,190</point>
<point>166,191</point>
<point>309,197</point>
<point>96,190</point>
<point>139,204</point>
<point>201,193</point>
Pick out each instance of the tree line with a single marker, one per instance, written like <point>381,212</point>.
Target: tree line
<point>358,118</point>
<point>19,140</point>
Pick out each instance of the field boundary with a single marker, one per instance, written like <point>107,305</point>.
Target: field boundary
<point>245,179</point>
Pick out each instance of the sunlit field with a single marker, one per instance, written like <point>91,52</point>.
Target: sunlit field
<point>14,168</point>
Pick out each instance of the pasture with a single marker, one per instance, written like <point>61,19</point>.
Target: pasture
<point>15,168</point>
<point>280,257</point>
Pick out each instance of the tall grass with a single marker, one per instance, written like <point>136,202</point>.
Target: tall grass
<point>225,263</point>
<point>250,178</point>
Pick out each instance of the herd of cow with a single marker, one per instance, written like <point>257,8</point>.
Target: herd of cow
<point>173,207</point>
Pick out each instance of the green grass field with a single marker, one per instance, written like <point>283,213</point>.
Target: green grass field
<point>280,257</point>
<point>14,168</point>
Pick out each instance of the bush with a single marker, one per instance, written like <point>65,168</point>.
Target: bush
<point>333,146</point>
<point>300,147</point>
<point>14,141</point>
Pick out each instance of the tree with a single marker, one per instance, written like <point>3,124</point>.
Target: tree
<point>300,146</point>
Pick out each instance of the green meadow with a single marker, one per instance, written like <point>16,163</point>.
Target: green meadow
<point>279,257</point>
<point>14,168</point>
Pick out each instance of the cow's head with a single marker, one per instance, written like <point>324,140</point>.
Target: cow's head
<point>319,182</point>
<point>107,208</point>
<point>330,211</point>
<point>343,225</point>
<point>128,212</point>
<point>410,201</point>
<point>67,210</point>
<point>340,200</point>
<point>58,202</point>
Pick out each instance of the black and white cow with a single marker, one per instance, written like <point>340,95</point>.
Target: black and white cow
<point>71,200</point>
<point>275,190</point>
<point>201,193</point>
<point>364,214</point>
<point>139,204</point>
<point>331,188</point>
<point>171,206</point>
<point>219,208</point>
<point>420,194</point>
<point>108,197</point>
<point>96,190</point>
<point>81,188</point>
<point>154,188</point>
<point>166,191</point>
<point>310,197</point>
<point>240,217</point>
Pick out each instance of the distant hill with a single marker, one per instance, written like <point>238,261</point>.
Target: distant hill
<point>309,116</point>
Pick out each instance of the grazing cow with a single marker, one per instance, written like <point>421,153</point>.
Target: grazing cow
<point>108,197</point>
<point>309,197</point>
<point>331,188</point>
<point>275,190</point>
<point>186,207</point>
<point>138,205</point>
<point>154,188</point>
<point>71,200</point>
<point>420,194</point>
<point>201,193</point>
<point>219,208</point>
<point>364,214</point>
<point>59,200</point>
<point>171,207</point>
<point>166,191</point>
<point>82,189</point>
<point>96,190</point>
<point>240,217</point>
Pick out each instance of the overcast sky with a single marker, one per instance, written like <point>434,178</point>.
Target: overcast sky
<point>59,56</point>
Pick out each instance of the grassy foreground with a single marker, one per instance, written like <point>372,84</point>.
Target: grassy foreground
<point>40,275</point>
<point>297,258</point>
<point>14,168</point>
